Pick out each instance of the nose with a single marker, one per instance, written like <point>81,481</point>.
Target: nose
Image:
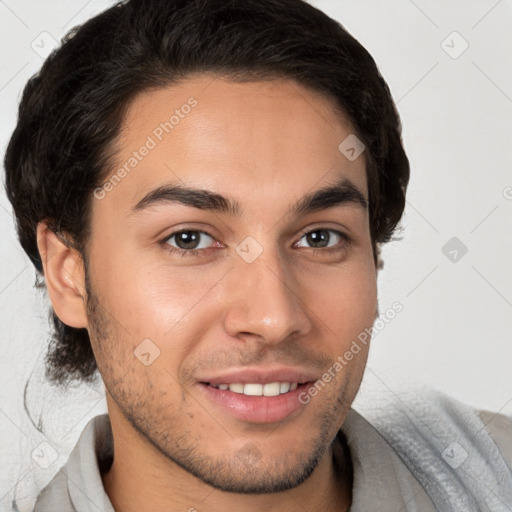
<point>264,301</point>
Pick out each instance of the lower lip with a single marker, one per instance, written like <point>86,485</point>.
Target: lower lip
<point>257,409</point>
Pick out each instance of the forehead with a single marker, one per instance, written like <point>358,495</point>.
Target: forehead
<point>269,141</point>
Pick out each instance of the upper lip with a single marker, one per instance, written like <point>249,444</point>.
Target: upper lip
<point>255,375</point>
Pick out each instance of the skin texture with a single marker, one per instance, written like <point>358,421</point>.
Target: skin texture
<point>266,145</point>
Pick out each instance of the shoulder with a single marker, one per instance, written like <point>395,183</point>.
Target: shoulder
<point>55,495</point>
<point>77,486</point>
<point>460,455</point>
<point>499,428</point>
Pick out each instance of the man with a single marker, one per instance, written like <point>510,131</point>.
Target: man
<point>205,186</point>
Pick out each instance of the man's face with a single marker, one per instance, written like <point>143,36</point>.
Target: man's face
<point>262,293</point>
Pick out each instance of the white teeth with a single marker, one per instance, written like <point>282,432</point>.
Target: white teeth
<point>271,389</point>
<point>236,388</point>
<point>253,389</point>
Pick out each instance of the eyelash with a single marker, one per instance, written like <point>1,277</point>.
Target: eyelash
<point>342,245</point>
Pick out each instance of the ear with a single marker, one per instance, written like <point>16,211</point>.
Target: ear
<point>64,277</point>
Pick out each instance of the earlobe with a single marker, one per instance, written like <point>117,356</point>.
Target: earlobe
<point>64,277</point>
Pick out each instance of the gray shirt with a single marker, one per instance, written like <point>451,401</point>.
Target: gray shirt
<point>430,453</point>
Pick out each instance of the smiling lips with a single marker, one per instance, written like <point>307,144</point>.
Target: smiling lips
<point>256,395</point>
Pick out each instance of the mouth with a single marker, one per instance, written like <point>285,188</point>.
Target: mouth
<point>258,396</point>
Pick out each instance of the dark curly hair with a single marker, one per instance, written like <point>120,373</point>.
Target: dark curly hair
<point>71,112</point>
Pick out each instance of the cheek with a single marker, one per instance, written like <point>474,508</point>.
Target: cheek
<point>345,300</point>
<point>159,301</point>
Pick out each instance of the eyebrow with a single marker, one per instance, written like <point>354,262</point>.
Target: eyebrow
<point>340,193</point>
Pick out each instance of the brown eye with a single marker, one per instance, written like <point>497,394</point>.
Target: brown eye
<point>190,240</point>
<point>321,238</point>
<point>318,238</point>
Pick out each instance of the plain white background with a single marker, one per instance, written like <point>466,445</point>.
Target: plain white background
<point>449,69</point>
